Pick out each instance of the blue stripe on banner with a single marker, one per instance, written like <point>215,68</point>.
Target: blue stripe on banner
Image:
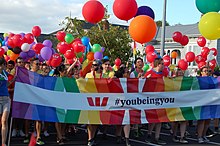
<point>213,110</point>
<point>205,112</point>
<point>206,83</point>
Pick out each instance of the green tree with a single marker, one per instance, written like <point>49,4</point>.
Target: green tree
<point>159,23</point>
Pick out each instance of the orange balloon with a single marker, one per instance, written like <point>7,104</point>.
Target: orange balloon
<point>174,54</point>
<point>13,56</point>
<point>90,56</point>
<point>142,29</point>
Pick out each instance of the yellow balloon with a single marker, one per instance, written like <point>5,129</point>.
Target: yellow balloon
<point>5,35</point>
<point>209,25</point>
<point>9,52</point>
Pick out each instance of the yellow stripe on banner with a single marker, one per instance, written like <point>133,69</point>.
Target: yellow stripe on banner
<point>169,84</point>
<point>87,85</point>
<point>179,116</point>
<point>178,83</point>
<point>94,117</point>
<point>81,83</point>
<point>83,117</point>
<point>171,113</point>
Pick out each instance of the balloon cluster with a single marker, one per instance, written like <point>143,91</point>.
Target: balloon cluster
<point>151,53</point>
<point>209,25</point>
<point>180,38</point>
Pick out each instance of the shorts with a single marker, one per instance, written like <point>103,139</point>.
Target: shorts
<point>5,104</point>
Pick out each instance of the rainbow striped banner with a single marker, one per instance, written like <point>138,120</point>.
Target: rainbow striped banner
<point>115,101</point>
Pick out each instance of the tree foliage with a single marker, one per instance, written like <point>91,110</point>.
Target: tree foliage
<point>159,23</point>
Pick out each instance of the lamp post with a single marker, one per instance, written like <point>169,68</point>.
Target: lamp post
<point>162,47</point>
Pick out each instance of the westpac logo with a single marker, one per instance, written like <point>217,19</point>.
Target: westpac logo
<point>97,101</point>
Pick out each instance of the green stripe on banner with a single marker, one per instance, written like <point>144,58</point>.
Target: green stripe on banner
<point>60,114</point>
<point>188,113</point>
<point>59,86</point>
<point>186,83</point>
<point>197,111</point>
<point>195,85</point>
<point>70,85</point>
<point>72,116</point>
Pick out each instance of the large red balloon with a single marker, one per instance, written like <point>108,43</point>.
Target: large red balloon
<point>212,64</point>
<point>62,47</point>
<point>215,51</point>
<point>205,51</point>
<point>2,51</point>
<point>55,60</point>
<point>117,62</point>
<point>201,64</point>
<point>69,54</point>
<point>10,42</point>
<point>166,60</point>
<point>78,47</point>
<point>93,11</point>
<point>36,30</point>
<point>201,41</point>
<point>61,35</point>
<point>37,47</point>
<point>199,59</point>
<point>177,36</point>
<point>151,57</point>
<point>182,64</point>
<point>149,49</point>
<point>190,56</point>
<point>29,38</point>
<point>125,9</point>
<point>184,41</point>
<point>17,40</point>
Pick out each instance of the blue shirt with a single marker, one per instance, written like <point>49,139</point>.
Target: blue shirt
<point>3,83</point>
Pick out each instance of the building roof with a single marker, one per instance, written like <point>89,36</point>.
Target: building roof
<point>190,30</point>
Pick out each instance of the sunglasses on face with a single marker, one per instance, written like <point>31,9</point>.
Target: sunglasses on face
<point>95,65</point>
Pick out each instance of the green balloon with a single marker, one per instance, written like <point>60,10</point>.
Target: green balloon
<point>96,48</point>
<point>79,55</point>
<point>69,38</point>
<point>146,67</point>
<point>205,6</point>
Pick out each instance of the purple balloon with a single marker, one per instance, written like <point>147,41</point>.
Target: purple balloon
<point>31,45</point>
<point>31,53</point>
<point>23,55</point>
<point>145,10</point>
<point>103,49</point>
<point>47,43</point>
<point>98,55</point>
<point>53,51</point>
<point>40,58</point>
<point>6,38</point>
<point>22,34</point>
<point>46,53</point>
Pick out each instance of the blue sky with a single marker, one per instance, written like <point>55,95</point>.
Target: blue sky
<point>21,15</point>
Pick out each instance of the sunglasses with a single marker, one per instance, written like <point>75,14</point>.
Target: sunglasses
<point>95,64</point>
<point>20,62</point>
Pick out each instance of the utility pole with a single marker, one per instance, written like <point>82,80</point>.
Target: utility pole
<point>162,47</point>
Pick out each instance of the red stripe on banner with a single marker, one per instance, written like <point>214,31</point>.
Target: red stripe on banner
<point>149,85</point>
<point>105,117</point>
<point>90,101</point>
<point>132,85</point>
<point>101,85</point>
<point>151,116</point>
<point>114,86</point>
<point>135,116</point>
<point>160,86</point>
<point>117,117</point>
<point>162,114</point>
<point>97,101</point>
<point>104,101</point>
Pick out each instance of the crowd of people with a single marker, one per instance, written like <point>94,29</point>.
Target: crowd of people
<point>99,69</point>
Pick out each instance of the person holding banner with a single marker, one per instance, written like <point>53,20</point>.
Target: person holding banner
<point>156,72</point>
<point>4,100</point>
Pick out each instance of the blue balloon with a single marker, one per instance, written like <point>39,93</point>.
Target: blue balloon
<point>145,10</point>
<point>85,41</point>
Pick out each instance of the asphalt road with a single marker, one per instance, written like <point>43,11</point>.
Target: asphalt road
<point>80,138</point>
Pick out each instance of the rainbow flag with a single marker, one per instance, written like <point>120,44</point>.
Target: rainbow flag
<point>115,101</point>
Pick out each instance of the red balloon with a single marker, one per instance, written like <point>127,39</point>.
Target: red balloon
<point>7,58</point>
<point>78,47</point>
<point>17,40</point>
<point>190,56</point>
<point>69,61</point>
<point>56,60</point>
<point>199,59</point>
<point>182,64</point>
<point>125,9</point>
<point>177,36</point>
<point>11,34</point>
<point>212,64</point>
<point>205,51</point>
<point>117,62</point>
<point>201,41</point>
<point>36,30</point>
<point>151,57</point>
<point>69,54</point>
<point>29,38</point>
<point>37,47</point>
<point>93,11</point>
<point>11,43</point>
<point>201,64</point>
<point>81,59</point>
<point>62,47</point>
<point>165,71</point>
<point>166,60</point>
<point>149,49</point>
<point>184,41</point>
<point>215,51</point>
<point>61,36</point>
<point>2,52</point>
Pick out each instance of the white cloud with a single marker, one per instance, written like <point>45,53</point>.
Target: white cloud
<point>21,15</point>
